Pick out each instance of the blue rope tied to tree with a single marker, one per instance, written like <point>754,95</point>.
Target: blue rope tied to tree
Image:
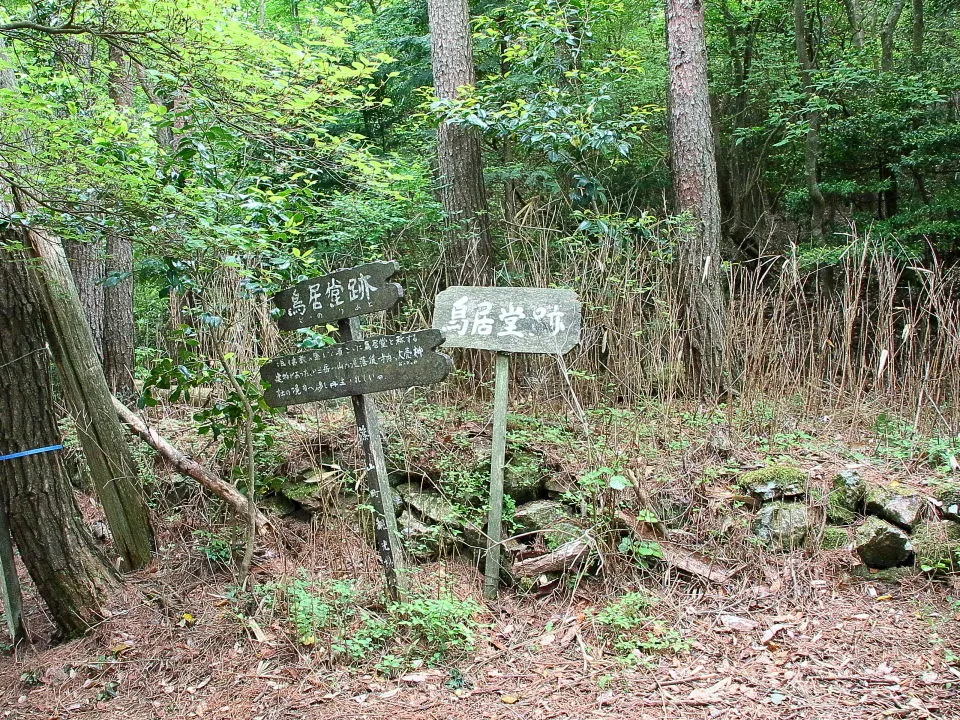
<point>49,448</point>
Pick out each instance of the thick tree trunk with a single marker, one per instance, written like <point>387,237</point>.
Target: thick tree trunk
<point>111,465</point>
<point>112,468</point>
<point>118,325</point>
<point>468,247</point>
<point>87,264</point>
<point>697,196</point>
<point>68,570</point>
<point>811,149</point>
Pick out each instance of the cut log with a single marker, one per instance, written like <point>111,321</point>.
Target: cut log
<point>562,559</point>
<point>678,557</point>
<point>210,480</point>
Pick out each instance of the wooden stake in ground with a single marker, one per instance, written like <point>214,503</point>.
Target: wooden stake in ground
<point>506,320</point>
<point>385,532</point>
<point>354,368</point>
<point>491,568</point>
<point>10,584</point>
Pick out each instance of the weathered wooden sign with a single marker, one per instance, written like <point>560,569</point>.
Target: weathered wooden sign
<point>355,368</point>
<point>342,294</point>
<point>527,320</point>
<point>375,364</point>
<point>506,320</point>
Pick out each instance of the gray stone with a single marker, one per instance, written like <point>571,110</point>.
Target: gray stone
<point>524,476</point>
<point>421,541</point>
<point>849,490</point>
<point>279,505</point>
<point>556,488</point>
<point>540,515</point>
<point>903,510</point>
<point>429,505</point>
<point>776,482</point>
<point>949,498</point>
<point>782,525</point>
<point>881,544</point>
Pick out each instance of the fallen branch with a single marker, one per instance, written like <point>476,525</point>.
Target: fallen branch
<point>679,558</point>
<point>210,480</point>
<point>563,558</point>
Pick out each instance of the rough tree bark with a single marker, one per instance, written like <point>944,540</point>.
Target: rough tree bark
<point>811,149</point>
<point>112,468</point>
<point>118,325</point>
<point>87,264</point>
<point>697,196</point>
<point>66,567</point>
<point>468,245</point>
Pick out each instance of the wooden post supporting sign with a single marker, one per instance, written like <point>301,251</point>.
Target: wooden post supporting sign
<point>354,368</point>
<point>505,320</point>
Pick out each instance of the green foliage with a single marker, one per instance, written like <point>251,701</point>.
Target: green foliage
<point>332,616</point>
<point>627,626</point>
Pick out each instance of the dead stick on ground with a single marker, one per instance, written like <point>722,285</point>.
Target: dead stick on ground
<point>210,480</point>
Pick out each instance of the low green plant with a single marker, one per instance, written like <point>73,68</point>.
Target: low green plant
<point>331,615</point>
<point>214,546</point>
<point>628,628</point>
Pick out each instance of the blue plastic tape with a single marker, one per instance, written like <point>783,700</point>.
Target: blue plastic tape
<point>49,448</point>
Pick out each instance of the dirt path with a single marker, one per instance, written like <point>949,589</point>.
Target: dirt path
<point>817,648</point>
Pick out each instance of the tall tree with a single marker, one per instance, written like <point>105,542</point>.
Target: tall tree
<point>468,245</point>
<point>118,325</point>
<point>811,147</point>
<point>69,572</point>
<point>697,196</point>
<point>112,468</point>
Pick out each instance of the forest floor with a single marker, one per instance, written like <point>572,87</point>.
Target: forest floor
<point>788,636</point>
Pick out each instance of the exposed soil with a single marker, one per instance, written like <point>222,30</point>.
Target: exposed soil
<point>810,642</point>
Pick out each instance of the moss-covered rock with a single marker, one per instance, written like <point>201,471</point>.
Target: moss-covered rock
<point>846,498</point>
<point>949,498</point>
<point>421,541</point>
<point>894,575</point>
<point>936,546</point>
<point>524,476</point>
<point>782,525</point>
<point>278,505</point>
<point>539,515</point>
<point>776,482</point>
<point>429,504</point>
<point>834,538</point>
<point>904,510</point>
<point>881,544</point>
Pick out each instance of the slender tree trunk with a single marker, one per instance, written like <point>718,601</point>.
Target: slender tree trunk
<point>118,325</point>
<point>10,594</point>
<point>69,572</point>
<point>87,264</point>
<point>916,40</point>
<point>890,196</point>
<point>811,150</point>
<point>856,22</point>
<point>468,246</point>
<point>887,31</point>
<point>697,195</point>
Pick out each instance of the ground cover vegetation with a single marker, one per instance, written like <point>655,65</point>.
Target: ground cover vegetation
<point>738,496</point>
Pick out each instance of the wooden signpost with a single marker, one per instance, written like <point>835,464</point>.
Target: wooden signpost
<point>505,320</point>
<point>354,368</point>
